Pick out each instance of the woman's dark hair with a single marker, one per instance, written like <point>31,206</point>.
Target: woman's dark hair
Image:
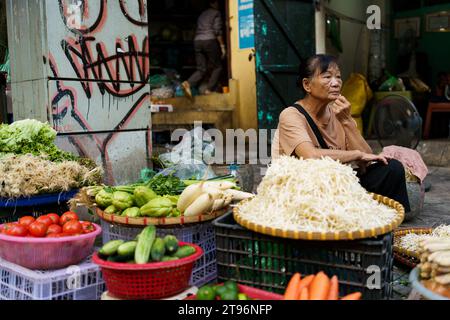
<point>318,63</point>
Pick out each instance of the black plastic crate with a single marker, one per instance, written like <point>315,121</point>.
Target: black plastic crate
<point>269,262</point>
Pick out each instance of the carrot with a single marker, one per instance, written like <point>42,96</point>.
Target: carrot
<point>319,287</point>
<point>352,296</point>
<point>304,283</point>
<point>334,289</point>
<point>291,292</point>
<point>304,294</point>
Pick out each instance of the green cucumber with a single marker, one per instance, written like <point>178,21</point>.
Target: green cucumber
<point>127,249</point>
<point>110,248</point>
<point>158,250</point>
<point>171,244</point>
<point>167,258</point>
<point>144,244</point>
<point>117,258</point>
<point>184,251</point>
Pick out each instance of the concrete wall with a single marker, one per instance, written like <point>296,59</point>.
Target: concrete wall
<point>244,71</point>
<point>27,44</point>
<point>85,69</point>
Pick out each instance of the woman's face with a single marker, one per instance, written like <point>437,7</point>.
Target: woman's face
<point>325,86</point>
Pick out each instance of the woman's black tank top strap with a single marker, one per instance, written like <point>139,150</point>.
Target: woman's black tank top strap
<point>313,126</point>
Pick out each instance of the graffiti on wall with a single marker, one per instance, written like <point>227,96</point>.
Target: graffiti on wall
<point>98,67</point>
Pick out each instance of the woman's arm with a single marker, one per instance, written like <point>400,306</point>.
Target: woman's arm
<point>341,108</point>
<point>307,150</point>
<point>354,139</point>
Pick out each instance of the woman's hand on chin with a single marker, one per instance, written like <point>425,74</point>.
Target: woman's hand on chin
<point>341,108</point>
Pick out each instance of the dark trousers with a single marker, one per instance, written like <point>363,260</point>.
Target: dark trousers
<point>387,180</point>
<point>207,51</point>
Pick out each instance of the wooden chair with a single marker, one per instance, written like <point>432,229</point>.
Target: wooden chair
<point>434,107</point>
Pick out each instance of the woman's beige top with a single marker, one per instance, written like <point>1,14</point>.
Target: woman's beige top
<point>293,130</point>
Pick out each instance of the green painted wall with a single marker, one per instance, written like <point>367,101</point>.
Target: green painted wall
<point>435,44</point>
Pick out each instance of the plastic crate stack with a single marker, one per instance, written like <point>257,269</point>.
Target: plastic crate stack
<point>268,262</point>
<point>201,234</point>
<point>79,282</point>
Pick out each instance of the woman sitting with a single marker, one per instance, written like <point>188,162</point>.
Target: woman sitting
<point>320,125</point>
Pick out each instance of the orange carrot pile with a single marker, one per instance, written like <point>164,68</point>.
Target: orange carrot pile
<point>316,287</point>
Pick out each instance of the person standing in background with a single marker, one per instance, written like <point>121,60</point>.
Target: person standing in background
<point>209,48</point>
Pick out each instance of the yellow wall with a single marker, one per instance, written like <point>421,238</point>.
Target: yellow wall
<point>245,116</point>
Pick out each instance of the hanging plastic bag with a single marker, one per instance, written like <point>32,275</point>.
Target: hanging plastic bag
<point>189,158</point>
<point>358,93</point>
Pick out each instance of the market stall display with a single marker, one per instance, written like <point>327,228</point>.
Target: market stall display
<point>231,290</point>
<point>201,234</point>
<point>146,248</point>
<point>150,276</point>
<point>268,262</point>
<point>162,200</point>
<point>435,263</point>
<point>316,200</point>
<point>47,253</point>
<point>31,163</point>
<point>406,241</point>
<point>50,225</point>
<point>79,282</point>
<point>316,287</point>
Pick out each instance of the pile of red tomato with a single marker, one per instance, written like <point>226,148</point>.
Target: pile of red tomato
<point>50,226</point>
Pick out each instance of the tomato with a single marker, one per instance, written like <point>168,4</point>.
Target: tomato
<point>26,221</point>
<point>87,227</point>
<point>45,220</point>
<point>8,226</point>
<point>72,227</point>
<point>54,228</point>
<point>37,229</point>
<point>17,230</point>
<point>58,235</point>
<point>54,217</point>
<point>67,216</point>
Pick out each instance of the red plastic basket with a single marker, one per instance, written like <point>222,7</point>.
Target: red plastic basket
<point>252,293</point>
<point>148,281</point>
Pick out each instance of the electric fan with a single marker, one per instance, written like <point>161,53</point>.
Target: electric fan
<point>397,122</point>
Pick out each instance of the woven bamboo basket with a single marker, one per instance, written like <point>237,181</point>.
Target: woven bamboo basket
<point>407,257</point>
<point>144,221</point>
<point>327,236</point>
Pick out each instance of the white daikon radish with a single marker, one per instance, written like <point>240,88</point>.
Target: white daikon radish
<point>189,195</point>
<point>201,205</point>
<point>215,192</point>
<point>222,185</point>
<point>438,254</point>
<point>443,279</point>
<point>218,204</point>
<point>433,247</point>
<point>239,195</point>
<point>221,203</point>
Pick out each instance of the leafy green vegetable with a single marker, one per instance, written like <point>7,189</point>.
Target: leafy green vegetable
<point>166,185</point>
<point>31,137</point>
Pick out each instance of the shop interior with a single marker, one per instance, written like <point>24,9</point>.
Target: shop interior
<point>172,56</point>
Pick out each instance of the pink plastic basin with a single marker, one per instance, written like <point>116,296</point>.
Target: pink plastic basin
<point>47,253</point>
